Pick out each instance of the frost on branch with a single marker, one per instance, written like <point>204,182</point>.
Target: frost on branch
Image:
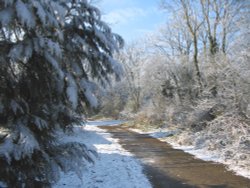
<point>74,151</point>
<point>24,14</point>
<point>72,91</point>
<point>88,89</point>
<point>18,144</point>
<point>6,16</point>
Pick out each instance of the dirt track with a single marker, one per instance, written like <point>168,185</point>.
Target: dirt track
<point>171,168</point>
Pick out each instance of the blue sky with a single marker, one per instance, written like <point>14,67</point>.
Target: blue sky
<point>132,19</point>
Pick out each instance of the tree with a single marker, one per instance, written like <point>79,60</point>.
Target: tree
<point>51,54</point>
<point>132,58</point>
<point>219,19</point>
<point>211,23</point>
<point>188,11</point>
<point>173,40</point>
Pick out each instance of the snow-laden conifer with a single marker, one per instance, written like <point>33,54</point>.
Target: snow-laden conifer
<point>51,51</point>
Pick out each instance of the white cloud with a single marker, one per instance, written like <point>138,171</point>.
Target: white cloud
<point>122,16</point>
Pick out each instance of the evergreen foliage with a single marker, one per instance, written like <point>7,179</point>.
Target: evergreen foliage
<point>51,52</point>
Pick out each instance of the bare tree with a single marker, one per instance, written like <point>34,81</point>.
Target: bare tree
<point>173,40</point>
<point>132,58</point>
<point>219,16</point>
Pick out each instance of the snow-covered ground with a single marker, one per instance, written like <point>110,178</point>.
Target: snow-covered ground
<point>184,141</point>
<point>114,167</point>
<point>105,123</point>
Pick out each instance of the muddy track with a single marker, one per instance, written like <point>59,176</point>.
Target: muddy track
<point>172,168</point>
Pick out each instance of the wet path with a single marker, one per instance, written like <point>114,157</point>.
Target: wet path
<point>171,168</point>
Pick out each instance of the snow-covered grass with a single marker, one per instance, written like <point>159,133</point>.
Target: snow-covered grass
<point>114,167</point>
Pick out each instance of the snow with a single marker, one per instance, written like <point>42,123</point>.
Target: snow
<point>91,98</point>
<point>88,88</point>
<point>28,49</point>
<point>198,153</point>
<point>15,106</point>
<point>72,91</point>
<point>40,123</point>
<point>26,143</point>
<point>59,10</point>
<point>2,184</point>
<point>116,67</point>
<point>54,48</point>
<point>114,167</point>
<point>16,52</point>
<point>6,16</point>
<point>52,61</point>
<point>105,123</point>
<point>24,14</point>
<point>40,11</point>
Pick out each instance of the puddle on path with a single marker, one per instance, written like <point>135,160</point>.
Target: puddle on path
<point>172,168</point>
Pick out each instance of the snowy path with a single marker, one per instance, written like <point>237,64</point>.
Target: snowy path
<point>114,168</point>
<point>167,167</point>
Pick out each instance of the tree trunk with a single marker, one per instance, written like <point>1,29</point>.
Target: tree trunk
<point>224,40</point>
<point>196,63</point>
